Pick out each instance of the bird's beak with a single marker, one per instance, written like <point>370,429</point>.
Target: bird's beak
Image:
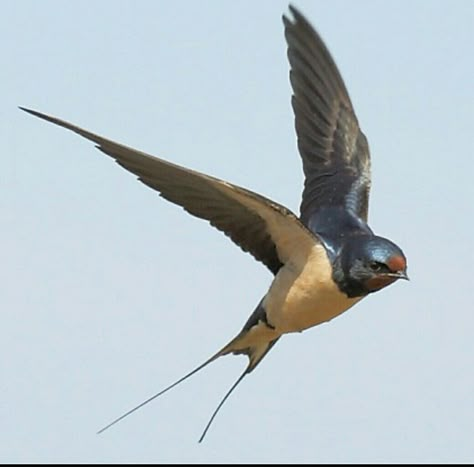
<point>404,276</point>
<point>399,275</point>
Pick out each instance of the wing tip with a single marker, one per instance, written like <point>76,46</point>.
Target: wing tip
<point>288,21</point>
<point>297,17</point>
<point>27,110</point>
<point>46,117</point>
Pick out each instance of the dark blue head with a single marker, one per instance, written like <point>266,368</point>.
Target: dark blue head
<point>367,264</point>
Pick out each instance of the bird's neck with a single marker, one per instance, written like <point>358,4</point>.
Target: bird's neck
<point>335,225</point>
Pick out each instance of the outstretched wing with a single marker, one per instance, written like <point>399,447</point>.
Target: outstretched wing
<point>334,151</point>
<point>267,230</point>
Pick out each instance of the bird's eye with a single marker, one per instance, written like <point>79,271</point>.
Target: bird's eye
<point>375,266</point>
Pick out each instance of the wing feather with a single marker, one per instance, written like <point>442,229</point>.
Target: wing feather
<point>265,229</point>
<point>334,151</point>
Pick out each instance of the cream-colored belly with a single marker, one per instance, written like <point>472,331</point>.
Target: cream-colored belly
<point>300,298</point>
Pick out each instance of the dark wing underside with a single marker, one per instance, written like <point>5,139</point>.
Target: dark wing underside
<point>334,151</point>
<point>219,202</point>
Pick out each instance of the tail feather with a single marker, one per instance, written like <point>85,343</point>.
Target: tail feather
<point>171,386</point>
<point>255,341</point>
<point>255,357</point>
<point>221,403</point>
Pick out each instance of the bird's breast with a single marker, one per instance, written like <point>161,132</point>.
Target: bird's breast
<point>304,294</point>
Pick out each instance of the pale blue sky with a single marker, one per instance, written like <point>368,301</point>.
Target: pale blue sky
<point>109,293</point>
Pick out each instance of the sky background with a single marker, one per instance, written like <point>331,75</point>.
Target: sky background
<point>108,293</point>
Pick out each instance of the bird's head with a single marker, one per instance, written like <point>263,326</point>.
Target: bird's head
<point>368,264</point>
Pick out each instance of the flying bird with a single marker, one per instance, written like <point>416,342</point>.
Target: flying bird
<point>323,261</point>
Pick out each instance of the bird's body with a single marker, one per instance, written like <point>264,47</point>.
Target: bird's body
<point>323,261</point>
<point>303,294</point>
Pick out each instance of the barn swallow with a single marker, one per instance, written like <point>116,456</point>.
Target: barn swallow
<point>323,261</point>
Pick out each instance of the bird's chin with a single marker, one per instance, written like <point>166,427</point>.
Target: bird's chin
<point>379,282</point>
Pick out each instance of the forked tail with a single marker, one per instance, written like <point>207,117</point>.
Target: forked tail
<point>253,362</point>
